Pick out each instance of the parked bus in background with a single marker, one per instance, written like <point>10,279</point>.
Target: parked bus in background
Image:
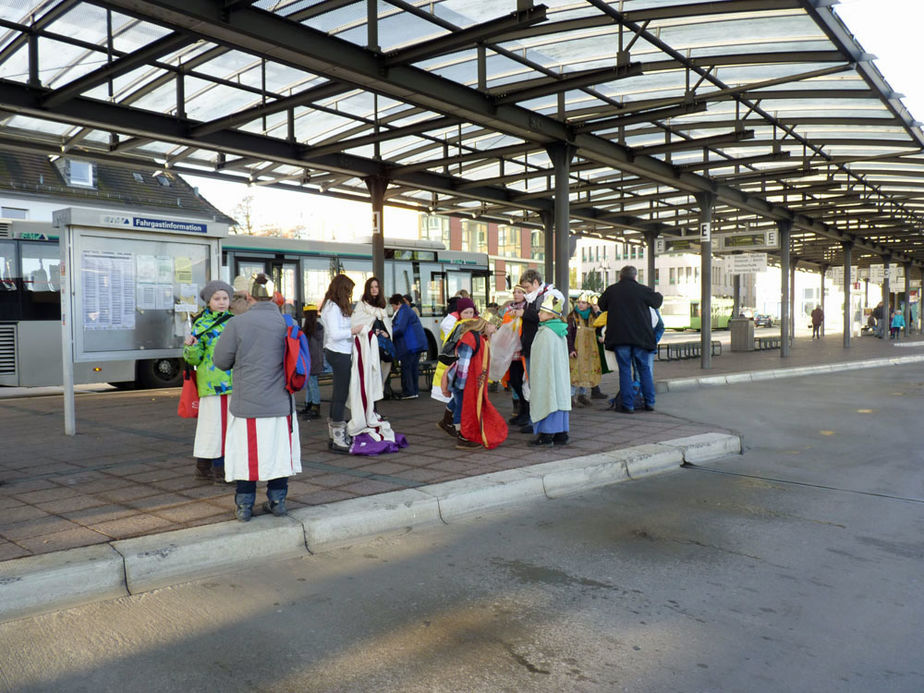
<point>302,270</point>
<point>30,301</point>
<point>683,313</point>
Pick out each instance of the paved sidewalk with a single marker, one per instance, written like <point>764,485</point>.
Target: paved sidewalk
<point>129,471</point>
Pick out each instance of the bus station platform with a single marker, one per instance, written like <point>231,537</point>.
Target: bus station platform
<point>128,473</point>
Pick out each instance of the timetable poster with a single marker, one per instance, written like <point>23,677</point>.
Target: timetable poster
<point>108,284</point>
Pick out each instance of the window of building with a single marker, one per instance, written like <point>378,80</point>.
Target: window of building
<point>14,213</point>
<point>583,254</point>
<point>161,178</point>
<point>79,173</point>
<point>434,228</point>
<point>641,276</point>
<point>689,274</point>
<point>673,276</point>
<point>138,177</point>
<point>508,241</point>
<point>641,253</point>
<point>475,236</point>
<point>657,276</point>
<point>537,245</point>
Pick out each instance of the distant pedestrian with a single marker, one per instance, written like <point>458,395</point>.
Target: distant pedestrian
<point>818,318</point>
<point>213,384</point>
<point>898,324</point>
<point>262,442</point>
<point>410,341</point>
<point>630,334</point>
<point>550,386</point>
<point>513,313</point>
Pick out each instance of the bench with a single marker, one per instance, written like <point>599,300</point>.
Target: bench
<point>685,350</point>
<point>766,343</point>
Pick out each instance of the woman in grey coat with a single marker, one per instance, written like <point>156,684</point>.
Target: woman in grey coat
<point>262,442</point>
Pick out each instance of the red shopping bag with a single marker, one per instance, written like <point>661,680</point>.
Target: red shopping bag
<point>189,397</point>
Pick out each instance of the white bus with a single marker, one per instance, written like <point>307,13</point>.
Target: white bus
<point>30,303</point>
<point>302,271</point>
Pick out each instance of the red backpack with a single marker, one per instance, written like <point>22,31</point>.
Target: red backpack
<point>297,359</point>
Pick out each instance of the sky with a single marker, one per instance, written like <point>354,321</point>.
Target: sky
<point>889,29</point>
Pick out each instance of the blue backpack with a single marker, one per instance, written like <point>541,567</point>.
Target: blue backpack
<point>297,358</point>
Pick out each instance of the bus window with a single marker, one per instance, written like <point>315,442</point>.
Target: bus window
<point>285,277</point>
<point>456,281</point>
<point>359,271</point>
<point>248,268</point>
<point>41,267</point>
<point>480,290</point>
<point>9,268</point>
<point>315,279</point>
<point>402,279</point>
<point>41,279</point>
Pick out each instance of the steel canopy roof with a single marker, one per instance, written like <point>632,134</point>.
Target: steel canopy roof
<point>769,105</point>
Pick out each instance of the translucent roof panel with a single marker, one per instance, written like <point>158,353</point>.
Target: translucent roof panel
<point>656,100</point>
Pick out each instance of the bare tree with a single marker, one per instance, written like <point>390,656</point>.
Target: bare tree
<point>243,214</point>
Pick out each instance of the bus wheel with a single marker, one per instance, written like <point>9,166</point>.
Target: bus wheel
<point>160,373</point>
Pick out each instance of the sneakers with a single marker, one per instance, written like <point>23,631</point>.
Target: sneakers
<point>407,396</point>
<point>649,407</point>
<point>596,394</point>
<point>560,438</point>
<point>543,441</point>
<point>583,401</point>
<point>526,428</point>
<point>465,444</point>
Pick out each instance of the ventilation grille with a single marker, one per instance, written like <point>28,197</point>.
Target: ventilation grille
<point>5,231</point>
<point>7,349</point>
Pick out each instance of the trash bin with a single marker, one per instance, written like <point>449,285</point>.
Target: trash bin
<point>742,334</point>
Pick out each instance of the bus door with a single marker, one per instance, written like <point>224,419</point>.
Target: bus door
<point>481,288</point>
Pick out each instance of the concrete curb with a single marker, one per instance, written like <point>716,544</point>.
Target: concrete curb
<point>682,384</point>
<point>36,584</point>
<point>58,580</point>
<point>159,560</point>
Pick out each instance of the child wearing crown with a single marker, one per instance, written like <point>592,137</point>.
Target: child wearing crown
<point>550,395</point>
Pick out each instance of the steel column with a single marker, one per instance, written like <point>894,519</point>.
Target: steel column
<point>706,202</point>
<point>736,296</point>
<point>377,186</point>
<point>561,154</point>
<point>848,302</point>
<point>791,280</point>
<point>785,227</point>
<point>548,223</point>
<point>650,245</point>
<point>824,270</point>
<point>886,297</point>
<point>907,311</point>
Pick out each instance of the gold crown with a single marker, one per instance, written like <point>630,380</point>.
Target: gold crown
<point>551,304</point>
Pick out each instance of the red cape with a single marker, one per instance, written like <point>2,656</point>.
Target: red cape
<point>481,422</point>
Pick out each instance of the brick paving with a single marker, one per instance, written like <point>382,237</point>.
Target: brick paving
<point>129,471</point>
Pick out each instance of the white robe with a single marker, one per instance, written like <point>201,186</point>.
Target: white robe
<point>262,449</point>
<point>210,427</point>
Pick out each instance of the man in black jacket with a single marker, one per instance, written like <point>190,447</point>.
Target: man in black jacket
<point>630,334</point>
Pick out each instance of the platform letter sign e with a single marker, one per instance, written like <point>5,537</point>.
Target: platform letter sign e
<point>705,232</point>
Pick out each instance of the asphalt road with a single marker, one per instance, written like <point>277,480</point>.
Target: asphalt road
<point>794,567</point>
